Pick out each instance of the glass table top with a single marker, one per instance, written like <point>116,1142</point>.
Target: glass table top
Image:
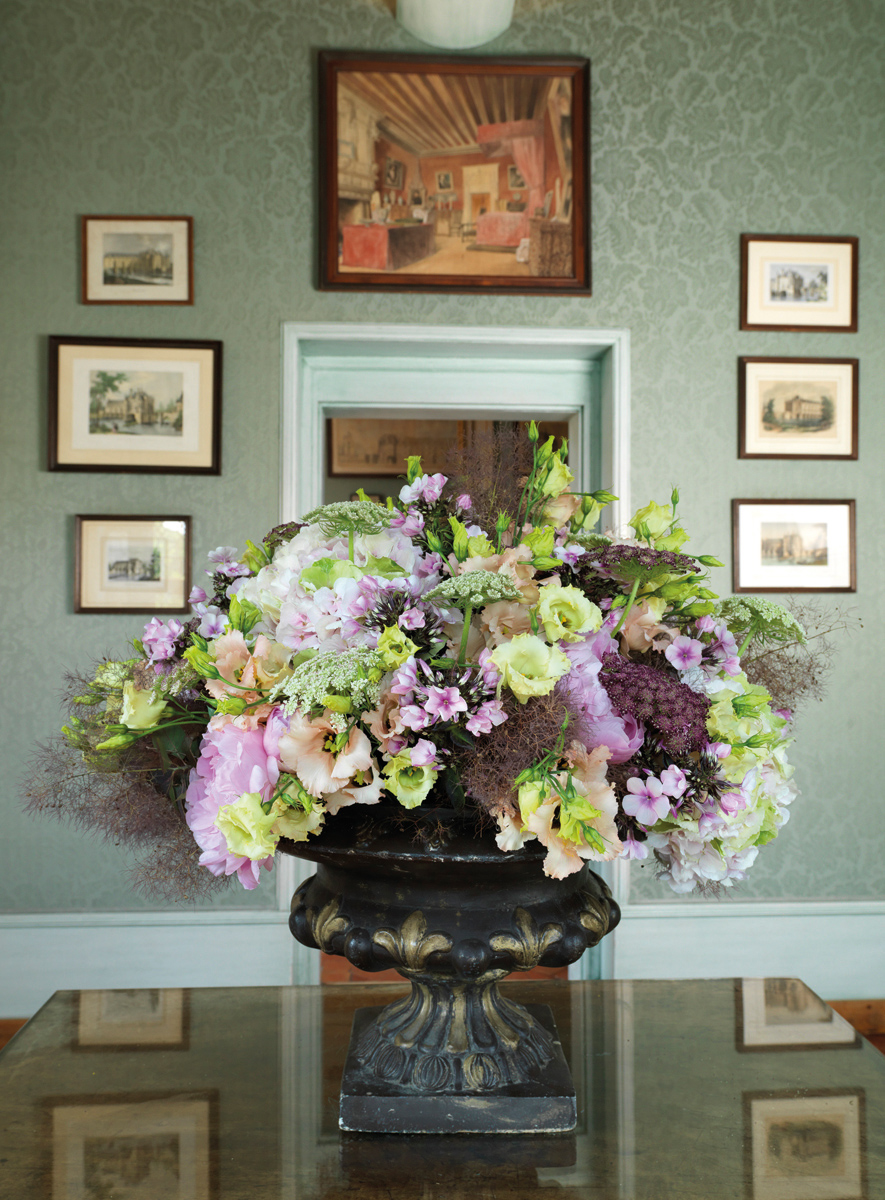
<point>687,1090</point>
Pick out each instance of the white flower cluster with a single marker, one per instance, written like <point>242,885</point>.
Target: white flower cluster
<point>354,673</point>
<point>474,589</point>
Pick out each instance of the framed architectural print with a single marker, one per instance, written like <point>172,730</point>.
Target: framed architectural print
<point>137,260</point>
<point>498,149</point>
<point>785,1014</point>
<point>798,283</point>
<point>132,1019</point>
<point>793,546</point>
<point>800,1145</point>
<point>797,408</point>
<point>131,564</point>
<point>134,404</point>
<point>134,1144</point>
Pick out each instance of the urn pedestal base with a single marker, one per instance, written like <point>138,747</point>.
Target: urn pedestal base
<point>543,1101</point>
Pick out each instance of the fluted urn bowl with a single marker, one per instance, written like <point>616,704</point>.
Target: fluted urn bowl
<point>429,894</point>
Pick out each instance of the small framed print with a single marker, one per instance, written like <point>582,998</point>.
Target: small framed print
<point>137,260</point>
<point>132,564</point>
<point>793,546</point>
<point>797,407</point>
<point>124,404</point>
<point>132,1019</point>
<point>150,1144</point>
<point>796,283</point>
<point>785,1014</point>
<point>803,1144</point>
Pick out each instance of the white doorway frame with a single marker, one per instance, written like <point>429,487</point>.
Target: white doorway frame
<point>310,349</point>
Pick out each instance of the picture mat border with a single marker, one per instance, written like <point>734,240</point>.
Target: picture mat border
<point>63,351</point>
<point>206,1181</point>
<point>740,536</point>
<point>84,545</point>
<point>93,289</point>
<point>85,1014</point>
<point>800,1097</point>
<point>844,307</point>
<point>849,434</point>
<point>746,1012</point>
<point>335,62</point>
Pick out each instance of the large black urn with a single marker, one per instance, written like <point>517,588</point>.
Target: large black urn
<point>431,895</point>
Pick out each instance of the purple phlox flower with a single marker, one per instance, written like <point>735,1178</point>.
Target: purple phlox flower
<point>785,714</point>
<point>491,676</point>
<point>632,847</point>
<point>428,568</point>
<point>424,754</point>
<point>426,487</point>
<point>704,624</point>
<point>646,802</point>
<point>405,679</point>
<point>197,596</point>
<point>413,716</point>
<point>674,781</point>
<point>226,563</point>
<point>395,743</point>
<point>412,618</point>
<point>411,523</point>
<point>720,750</point>
<point>464,502</point>
<point>159,639</point>
<point>475,531</point>
<point>445,703</point>
<point>235,586</point>
<point>684,653</point>
<point>569,554</point>
<point>724,641</point>
<point>489,714</point>
<point>212,620</point>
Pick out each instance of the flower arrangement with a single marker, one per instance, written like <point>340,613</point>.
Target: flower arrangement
<point>476,645</point>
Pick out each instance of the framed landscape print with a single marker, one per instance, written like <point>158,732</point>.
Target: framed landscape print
<point>793,545</point>
<point>785,1014</point>
<point>796,283</point>
<point>497,147</point>
<point>797,407</point>
<point>162,1144</point>
<point>805,1145</point>
<point>134,404</point>
<point>137,260</point>
<point>131,564</point>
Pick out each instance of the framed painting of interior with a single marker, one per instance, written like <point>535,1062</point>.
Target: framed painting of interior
<point>134,404</point>
<point>797,407</point>
<point>798,283</point>
<point>497,149</point>
<point>137,260</point>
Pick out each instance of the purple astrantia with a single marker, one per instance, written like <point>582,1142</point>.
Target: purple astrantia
<point>650,694</point>
<point>159,639</point>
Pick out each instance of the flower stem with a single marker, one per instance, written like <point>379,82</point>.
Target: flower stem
<point>627,606</point>
<point>462,652</point>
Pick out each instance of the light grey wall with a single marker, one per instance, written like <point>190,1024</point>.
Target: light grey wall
<point>710,117</point>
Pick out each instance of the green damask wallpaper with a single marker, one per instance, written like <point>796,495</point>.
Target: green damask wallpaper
<point>710,118</point>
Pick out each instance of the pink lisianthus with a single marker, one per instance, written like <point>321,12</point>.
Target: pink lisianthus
<point>232,762</point>
<point>385,723</point>
<point>601,725</point>
<point>305,750</point>
<point>642,629</point>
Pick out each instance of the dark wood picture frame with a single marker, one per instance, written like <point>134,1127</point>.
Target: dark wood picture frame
<point>102,583</point>
<point>796,308</point>
<point>82,438</point>
<point>373,109</point>
<point>844,419</point>
<point>836,570</point>
<point>136,259</point>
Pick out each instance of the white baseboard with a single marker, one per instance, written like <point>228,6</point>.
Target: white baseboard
<point>836,947</point>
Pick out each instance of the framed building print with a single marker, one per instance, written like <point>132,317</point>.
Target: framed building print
<point>798,283</point>
<point>137,260</point>
<point>793,546</point>
<point>805,1144</point>
<point>131,564</point>
<point>497,147</point>
<point>797,408</point>
<point>132,1019</point>
<point>772,1015</point>
<point>134,404</point>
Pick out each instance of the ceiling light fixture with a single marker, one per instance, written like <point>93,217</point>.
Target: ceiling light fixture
<point>455,24</point>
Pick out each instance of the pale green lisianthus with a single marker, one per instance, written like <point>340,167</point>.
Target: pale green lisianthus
<point>395,647</point>
<point>410,784</point>
<point>566,613</point>
<point>529,667</point>
<point>140,710</point>
<point>655,517</point>
<point>558,477</point>
<point>247,827</point>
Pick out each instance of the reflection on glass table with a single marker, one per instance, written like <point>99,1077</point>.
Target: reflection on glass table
<point>687,1090</point>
